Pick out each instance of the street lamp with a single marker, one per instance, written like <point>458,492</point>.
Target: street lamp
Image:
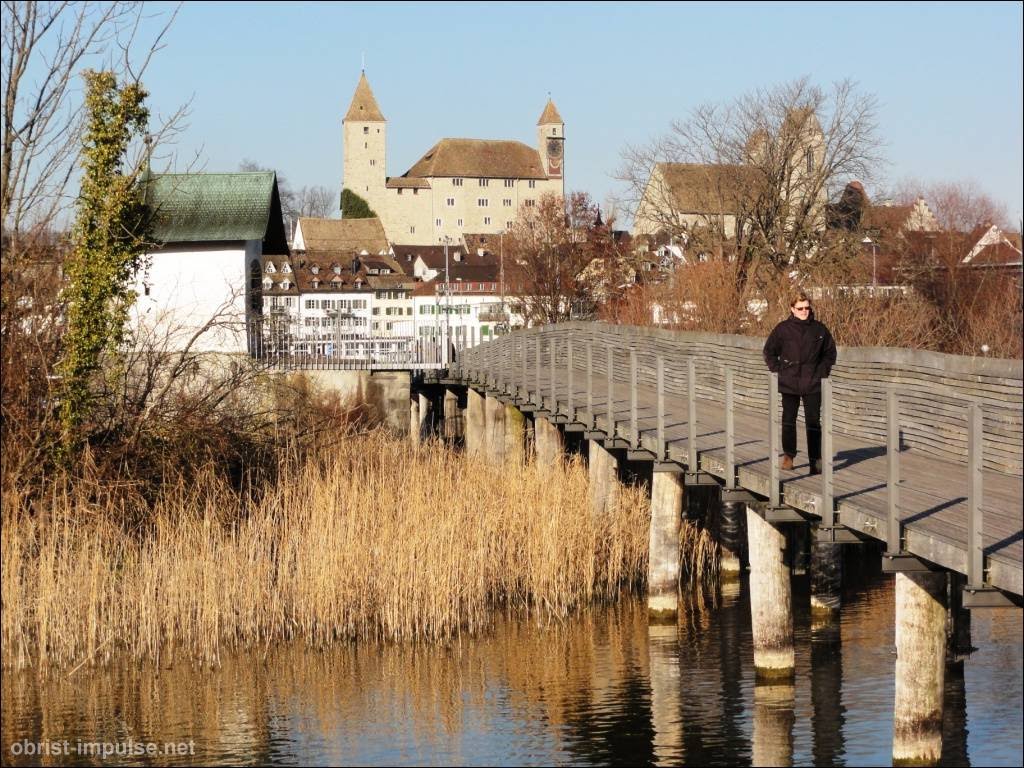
<point>874,260</point>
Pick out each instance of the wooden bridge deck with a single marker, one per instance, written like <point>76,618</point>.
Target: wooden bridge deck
<point>933,491</point>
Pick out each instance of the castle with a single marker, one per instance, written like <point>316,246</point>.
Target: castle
<point>458,185</point>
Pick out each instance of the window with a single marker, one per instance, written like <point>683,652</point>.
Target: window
<point>507,202</point>
<point>528,203</point>
<point>268,284</point>
<point>481,202</point>
<point>310,304</point>
<point>460,222</point>
<point>286,267</point>
<point>508,225</point>
<point>376,311</point>
<point>456,182</point>
<point>412,230</point>
<point>373,162</point>
<point>437,223</point>
<point>554,131</point>
<point>487,221</point>
<point>415,191</point>
<point>532,184</point>
<point>484,182</point>
<point>270,267</point>
<point>399,190</point>
<point>408,310</point>
<point>450,202</point>
<point>366,129</point>
<point>510,182</point>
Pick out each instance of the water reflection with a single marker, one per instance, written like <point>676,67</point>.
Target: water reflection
<point>602,688</point>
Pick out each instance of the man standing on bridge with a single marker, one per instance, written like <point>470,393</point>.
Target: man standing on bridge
<point>802,352</point>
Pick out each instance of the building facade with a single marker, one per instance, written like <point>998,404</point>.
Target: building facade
<point>458,185</point>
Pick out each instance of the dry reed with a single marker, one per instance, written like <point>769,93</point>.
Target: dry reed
<point>373,540</point>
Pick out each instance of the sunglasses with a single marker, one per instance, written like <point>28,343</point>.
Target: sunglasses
<point>802,309</point>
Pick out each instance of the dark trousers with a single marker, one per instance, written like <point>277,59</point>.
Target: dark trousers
<point>812,417</point>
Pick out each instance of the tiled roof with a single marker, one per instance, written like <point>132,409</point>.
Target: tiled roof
<point>404,182</point>
<point>363,108</point>
<point>432,255</point>
<point>884,218</point>
<point>342,236</point>
<point>216,207</point>
<point>550,115</point>
<point>479,158</point>
<point>697,188</point>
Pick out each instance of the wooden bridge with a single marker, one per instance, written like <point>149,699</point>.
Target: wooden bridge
<point>921,450</point>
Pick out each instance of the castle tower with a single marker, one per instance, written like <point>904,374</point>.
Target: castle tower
<point>551,141</point>
<point>364,146</point>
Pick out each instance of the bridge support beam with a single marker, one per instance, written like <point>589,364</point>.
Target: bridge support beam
<point>475,435</point>
<point>663,561</point>
<point>730,539</point>
<point>920,667</point>
<point>603,471</point>
<point>414,420</point>
<point>515,435</point>
<point>771,600</point>
<point>826,580</point>
<point>452,417</point>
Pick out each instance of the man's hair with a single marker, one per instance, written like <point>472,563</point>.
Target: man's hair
<point>798,296</point>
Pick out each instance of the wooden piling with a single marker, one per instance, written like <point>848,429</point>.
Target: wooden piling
<point>663,557</point>
<point>452,416</point>
<point>515,434</point>
<point>730,540</point>
<point>475,434</point>
<point>425,415</point>
<point>494,429</point>
<point>920,668</point>
<point>771,600</point>
<point>826,580</point>
<point>414,421</point>
<point>774,717</point>
<point>603,472</point>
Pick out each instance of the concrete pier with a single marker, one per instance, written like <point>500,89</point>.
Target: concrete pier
<point>475,435</point>
<point>603,476</point>
<point>920,668</point>
<point>515,435</point>
<point>826,580</point>
<point>663,559</point>
<point>771,600</point>
<point>426,415</point>
<point>730,539</point>
<point>494,429</point>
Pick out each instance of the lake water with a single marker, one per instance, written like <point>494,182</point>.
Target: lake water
<point>603,688</point>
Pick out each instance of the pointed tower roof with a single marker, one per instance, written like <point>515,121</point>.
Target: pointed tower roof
<point>363,108</point>
<point>550,115</point>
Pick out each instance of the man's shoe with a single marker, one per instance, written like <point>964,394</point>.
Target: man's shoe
<point>787,462</point>
<point>816,467</point>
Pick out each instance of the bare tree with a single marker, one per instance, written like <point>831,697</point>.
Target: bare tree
<point>959,206</point>
<point>45,45</point>
<point>566,259</point>
<point>752,177</point>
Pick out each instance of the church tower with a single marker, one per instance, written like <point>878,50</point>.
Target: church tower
<point>364,146</point>
<point>551,142</point>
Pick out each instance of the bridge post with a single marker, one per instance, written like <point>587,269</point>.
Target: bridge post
<point>475,419</point>
<point>826,580</point>
<point>414,420</point>
<point>663,559</point>
<point>452,417</point>
<point>494,429</point>
<point>920,667</point>
<point>730,540</point>
<point>425,415</point>
<point>548,441</point>
<point>771,599</point>
<point>774,717</point>
<point>515,434</point>
<point>603,472</point>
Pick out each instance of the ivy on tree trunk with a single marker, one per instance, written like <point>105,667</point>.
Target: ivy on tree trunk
<point>109,240</point>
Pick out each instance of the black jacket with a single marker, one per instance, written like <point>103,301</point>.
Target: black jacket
<point>802,352</point>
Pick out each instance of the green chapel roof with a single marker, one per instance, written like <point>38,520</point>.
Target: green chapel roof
<point>215,207</point>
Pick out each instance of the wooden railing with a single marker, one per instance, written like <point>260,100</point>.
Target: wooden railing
<point>934,392</point>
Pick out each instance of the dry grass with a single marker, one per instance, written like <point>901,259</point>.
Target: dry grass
<point>371,540</point>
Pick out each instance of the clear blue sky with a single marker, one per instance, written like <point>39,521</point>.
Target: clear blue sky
<point>271,81</point>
